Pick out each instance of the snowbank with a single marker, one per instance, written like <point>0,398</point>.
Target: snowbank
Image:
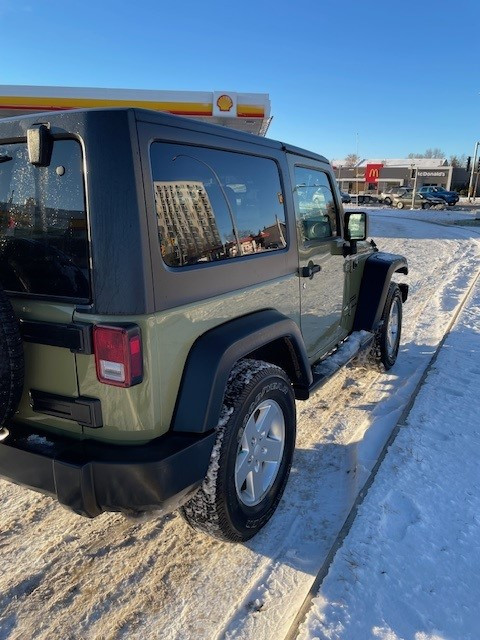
<point>409,567</point>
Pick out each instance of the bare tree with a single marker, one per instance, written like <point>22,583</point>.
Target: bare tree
<point>429,153</point>
<point>458,161</point>
<point>434,153</point>
<point>351,160</point>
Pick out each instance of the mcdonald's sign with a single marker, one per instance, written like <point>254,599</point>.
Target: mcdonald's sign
<point>372,171</point>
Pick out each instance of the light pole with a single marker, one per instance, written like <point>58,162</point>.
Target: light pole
<point>474,164</point>
<point>414,187</point>
<point>356,167</point>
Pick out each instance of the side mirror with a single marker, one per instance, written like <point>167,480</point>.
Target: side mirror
<point>39,144</point>
<point>356,226</point>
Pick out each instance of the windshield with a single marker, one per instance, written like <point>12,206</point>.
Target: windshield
<point>43,226</point>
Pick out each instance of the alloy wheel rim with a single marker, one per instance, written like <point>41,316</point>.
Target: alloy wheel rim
<point>393,328</point>
<point>260,453</point>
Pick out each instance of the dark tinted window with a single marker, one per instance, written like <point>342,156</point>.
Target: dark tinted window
<point>43,225</point>
<point>214,205</point>
<point>315,204</point>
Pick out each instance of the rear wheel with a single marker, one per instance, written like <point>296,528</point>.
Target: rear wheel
<point>400,205</point>
<point>252,455</point>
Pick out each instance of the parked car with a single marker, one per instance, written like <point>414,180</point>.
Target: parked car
<point>450,197</point>
<point>151,352</point>
<point>364,198</point>
<point>421,202</point>
<point>387,196</point>
<point>346,199</point>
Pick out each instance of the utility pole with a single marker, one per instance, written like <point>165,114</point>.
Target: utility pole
<point>356,168</point>
<point>414,188</point>
<point>474,164</point>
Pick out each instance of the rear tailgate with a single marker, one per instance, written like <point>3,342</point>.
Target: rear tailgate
<point>49,370</point>
<point>44,267</point>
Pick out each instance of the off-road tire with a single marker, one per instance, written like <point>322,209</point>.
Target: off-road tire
<point>383,353</point>
<point>216,508</point>
<point>11,360</point>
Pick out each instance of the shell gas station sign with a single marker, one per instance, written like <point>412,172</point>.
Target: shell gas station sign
<point>243,111</point>
<point>224,104</point>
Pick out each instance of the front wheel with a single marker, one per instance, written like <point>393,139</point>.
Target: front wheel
<point>388,339</point>
<point>252,455</point>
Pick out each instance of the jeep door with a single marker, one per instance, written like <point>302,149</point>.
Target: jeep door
<point>321,261</point>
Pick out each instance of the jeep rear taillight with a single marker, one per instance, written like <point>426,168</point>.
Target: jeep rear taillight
<point>118,355</point>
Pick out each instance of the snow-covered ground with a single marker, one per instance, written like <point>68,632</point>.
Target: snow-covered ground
<point>409,568</point>
<point>64,577</point>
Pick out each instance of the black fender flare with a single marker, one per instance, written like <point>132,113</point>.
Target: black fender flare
<point>377,276</point>
<point>213,355</point>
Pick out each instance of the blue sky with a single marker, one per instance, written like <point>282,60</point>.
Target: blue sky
<point>403,75</point>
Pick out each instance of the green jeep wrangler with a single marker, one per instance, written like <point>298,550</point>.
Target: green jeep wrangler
<point>169,288</point>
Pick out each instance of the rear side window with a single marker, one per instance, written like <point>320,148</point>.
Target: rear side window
<point>215,205</point>
<point>43,224</point>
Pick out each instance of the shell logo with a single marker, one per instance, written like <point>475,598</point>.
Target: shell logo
<point>224,102</point>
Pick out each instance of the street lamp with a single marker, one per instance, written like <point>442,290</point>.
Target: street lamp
<point>356,167</point>
<point>414,186</point>
<point>474,164</point>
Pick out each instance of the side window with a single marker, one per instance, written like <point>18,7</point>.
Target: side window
<point>214,205</point>
<point>316,210</point>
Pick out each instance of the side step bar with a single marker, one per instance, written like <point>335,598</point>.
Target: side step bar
<point>356,343</point>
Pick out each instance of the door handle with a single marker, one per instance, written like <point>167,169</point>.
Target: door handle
<point>310,270</point>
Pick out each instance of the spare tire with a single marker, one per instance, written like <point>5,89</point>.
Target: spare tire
<point>12,365</point>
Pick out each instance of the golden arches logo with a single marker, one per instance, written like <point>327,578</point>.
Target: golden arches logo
<point>224,102</point>
<point>373,173</point>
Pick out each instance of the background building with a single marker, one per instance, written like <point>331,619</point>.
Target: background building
<point>395,172</point>
<point>186,221</point>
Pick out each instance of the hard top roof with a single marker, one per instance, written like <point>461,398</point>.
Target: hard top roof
<point>165,119</point>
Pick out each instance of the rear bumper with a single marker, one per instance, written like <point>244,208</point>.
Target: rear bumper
<point>90,477</point>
